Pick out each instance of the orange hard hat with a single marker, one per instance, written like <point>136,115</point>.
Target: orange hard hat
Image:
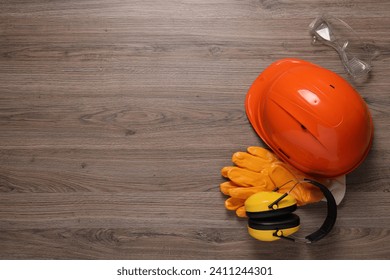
<point>310,117</point>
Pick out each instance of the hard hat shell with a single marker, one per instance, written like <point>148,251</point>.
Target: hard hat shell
<point>310,117</point>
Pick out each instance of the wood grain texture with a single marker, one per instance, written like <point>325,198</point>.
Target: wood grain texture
<point>117,116</point>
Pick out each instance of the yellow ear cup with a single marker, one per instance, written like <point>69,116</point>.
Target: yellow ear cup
<point>260,201</point>
<point>268,235</point>
<point>266,229</point>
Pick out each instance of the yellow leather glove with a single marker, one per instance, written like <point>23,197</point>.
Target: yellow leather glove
<point>257,170</point>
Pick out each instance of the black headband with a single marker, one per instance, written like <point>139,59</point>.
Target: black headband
<point>331,217</point>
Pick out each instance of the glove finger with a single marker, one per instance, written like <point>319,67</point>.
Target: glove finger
<point>225,171</point>
<point>244,193</point>
<point>244,177</point>
<point>233,203</point>
<point>263,153</point>
<point>250,162</point>
<point>241,212</point>
<point>227,186</point>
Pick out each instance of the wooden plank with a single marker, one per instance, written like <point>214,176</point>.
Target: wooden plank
<point>116,118</point>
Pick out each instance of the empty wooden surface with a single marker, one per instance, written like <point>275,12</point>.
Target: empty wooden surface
<point>117,116</point>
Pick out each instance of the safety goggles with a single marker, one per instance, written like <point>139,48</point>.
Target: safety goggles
<point>355,55</point>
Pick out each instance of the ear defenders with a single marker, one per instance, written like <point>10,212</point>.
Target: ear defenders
<point>271,215</point>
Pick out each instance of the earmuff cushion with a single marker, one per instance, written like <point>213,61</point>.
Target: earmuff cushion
<point>272,213</point>
<point>274,223</point>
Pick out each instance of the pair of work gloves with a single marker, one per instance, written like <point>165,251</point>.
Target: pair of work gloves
<point>259,169</point>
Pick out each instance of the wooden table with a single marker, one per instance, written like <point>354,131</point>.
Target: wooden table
<point>117,116</point>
